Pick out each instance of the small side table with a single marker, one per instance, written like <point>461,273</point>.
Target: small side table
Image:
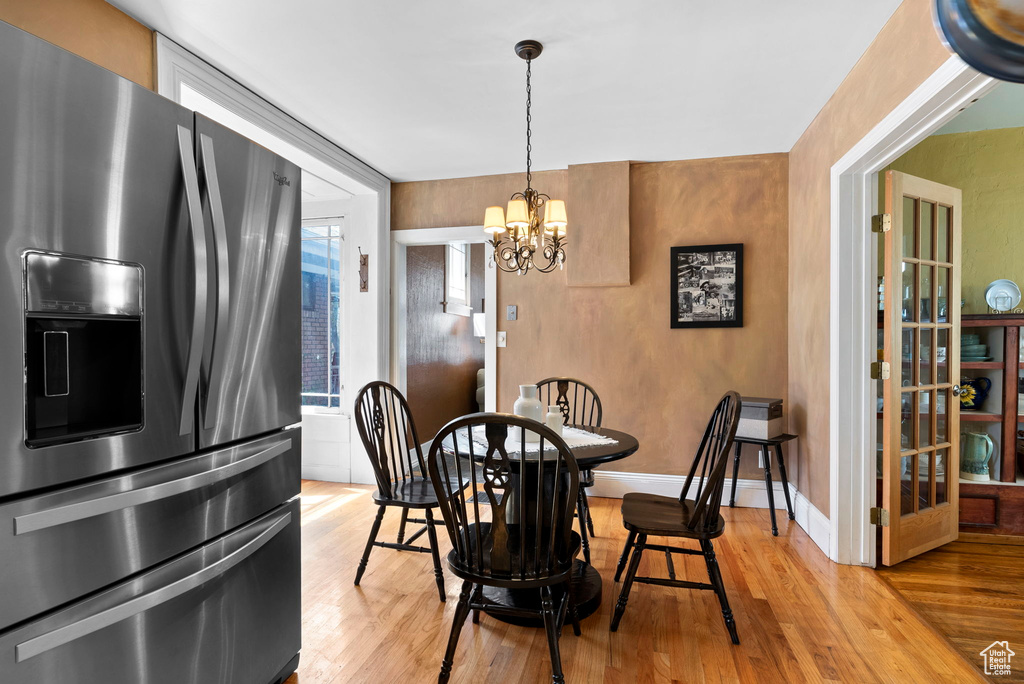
<point>765,445</point>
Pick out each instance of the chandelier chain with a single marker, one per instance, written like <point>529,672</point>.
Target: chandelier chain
<point>527,243</point>
<point>529,147</point>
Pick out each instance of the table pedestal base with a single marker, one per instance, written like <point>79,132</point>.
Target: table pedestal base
<point>586,586</point>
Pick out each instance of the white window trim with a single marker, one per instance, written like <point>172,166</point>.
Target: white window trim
<point>177,66</point>
<point>853,299</point>
<point>460,306</point>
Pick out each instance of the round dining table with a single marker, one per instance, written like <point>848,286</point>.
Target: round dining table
<point>586,580</point>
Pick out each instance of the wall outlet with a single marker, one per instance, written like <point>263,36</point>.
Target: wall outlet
<point>760,458</point>
<point>512,312</point>
<point>501,338</point>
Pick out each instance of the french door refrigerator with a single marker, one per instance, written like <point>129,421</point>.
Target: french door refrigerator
<point>149,521</point>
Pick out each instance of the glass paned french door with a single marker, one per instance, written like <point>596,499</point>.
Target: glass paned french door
<point>921,344</point>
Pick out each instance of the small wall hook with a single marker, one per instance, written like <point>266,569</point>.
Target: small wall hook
<point>364,270</point>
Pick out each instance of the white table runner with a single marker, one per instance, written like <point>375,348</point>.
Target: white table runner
<point>574,439</point>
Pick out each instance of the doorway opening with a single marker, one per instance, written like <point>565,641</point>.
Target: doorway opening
<point>979,154</point>
<point>946,433</point>
<point>444,323</point>
<point>854,300</point>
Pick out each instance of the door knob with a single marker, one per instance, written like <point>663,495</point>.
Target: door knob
<point>956,390</point>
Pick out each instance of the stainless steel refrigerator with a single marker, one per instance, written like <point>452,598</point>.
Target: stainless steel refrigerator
<point>150,330</point>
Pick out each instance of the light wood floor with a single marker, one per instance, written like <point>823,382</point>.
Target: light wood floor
<point>800,617</point>
<point>972,593</point>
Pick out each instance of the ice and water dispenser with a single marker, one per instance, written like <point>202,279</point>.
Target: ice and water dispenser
<point>83,348</point>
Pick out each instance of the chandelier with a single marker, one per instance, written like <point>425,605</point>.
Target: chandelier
<point>521,240</point>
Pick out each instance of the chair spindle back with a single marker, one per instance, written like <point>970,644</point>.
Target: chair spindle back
<point>388,433</point>
<point>577,400</point>
<point>508,532</point>
<point>709,464</point>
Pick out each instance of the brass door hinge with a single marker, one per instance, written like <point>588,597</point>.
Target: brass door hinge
<point>882,223</point>
<point>881,370</point>
<point>880,517</point>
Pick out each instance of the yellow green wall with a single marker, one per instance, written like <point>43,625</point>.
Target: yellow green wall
<point>988,166</point>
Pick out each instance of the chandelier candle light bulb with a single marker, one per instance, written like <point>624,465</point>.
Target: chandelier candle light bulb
<point>521,240</point>
<point>494,220</point>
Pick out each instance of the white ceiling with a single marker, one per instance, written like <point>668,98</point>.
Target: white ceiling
<point>424,90</point>
<point>1001,107</point>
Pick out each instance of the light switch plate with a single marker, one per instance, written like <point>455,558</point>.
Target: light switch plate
<point>501,338</point>
<point>512,312</point>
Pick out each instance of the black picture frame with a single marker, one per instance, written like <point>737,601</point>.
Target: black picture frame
<point>702,279</point>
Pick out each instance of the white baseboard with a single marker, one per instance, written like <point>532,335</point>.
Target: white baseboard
<point>749,494</point>
<point>326,473</point>
<point>815,523</point>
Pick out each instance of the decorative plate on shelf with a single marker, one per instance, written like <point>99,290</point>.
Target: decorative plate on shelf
<point>1002,295</point>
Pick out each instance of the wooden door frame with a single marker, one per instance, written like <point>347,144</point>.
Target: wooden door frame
<point>400,240</point>
<point>854,303</point>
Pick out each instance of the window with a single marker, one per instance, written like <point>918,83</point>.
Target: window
<point>456,279</point>
<point>321,312</point>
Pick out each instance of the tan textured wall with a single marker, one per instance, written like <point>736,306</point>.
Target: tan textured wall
<point>905,53</point>
<point>91,29</point>
<point>987,166</point>
<point>657,383</point>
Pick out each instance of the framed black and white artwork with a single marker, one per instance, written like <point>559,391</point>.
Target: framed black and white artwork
<point>707,286</point>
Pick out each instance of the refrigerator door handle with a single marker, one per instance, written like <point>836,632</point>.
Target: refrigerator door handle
<point>195,213</point>
<point>60,515</point>
<point>76,630</point>
<point>214,380</point>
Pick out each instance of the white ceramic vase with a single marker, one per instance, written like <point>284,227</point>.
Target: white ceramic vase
<point>528,406</point>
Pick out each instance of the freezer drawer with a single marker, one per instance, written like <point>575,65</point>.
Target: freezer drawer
<point>227,613</point>
<point>77,540</point>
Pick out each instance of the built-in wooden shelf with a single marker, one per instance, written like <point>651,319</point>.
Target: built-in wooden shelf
<point>981,365</point>
<point>980,417</point>
<point>997,507</point>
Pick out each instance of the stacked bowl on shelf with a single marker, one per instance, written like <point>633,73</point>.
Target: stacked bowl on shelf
<point>971,348</point>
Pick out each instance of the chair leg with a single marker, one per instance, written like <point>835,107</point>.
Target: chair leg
<point>581,511</point>
<point>573,615</point>
<point>369,545</point>
<point>625,555</point>
<point>461,611</point>
<point>562,613</point>
<point>478,596</point>
<point>438,574</point>
<point>771,488</point>
<point>715,574</point>
<point>551,627</point>
<point>735,474</point>
<point>586,507</point>
<point>401,526</point>
<point>634,564</point>
<point>785,480</point>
